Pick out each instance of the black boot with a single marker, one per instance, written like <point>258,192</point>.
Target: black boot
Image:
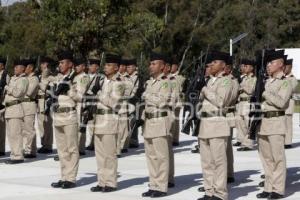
<point>263,195</point>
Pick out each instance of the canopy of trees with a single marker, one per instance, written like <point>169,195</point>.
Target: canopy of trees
<point>135,27</point>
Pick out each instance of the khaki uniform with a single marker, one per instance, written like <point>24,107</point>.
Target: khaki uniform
<point>123,128</point>
<point>80,82</point>
<point>66,133</point>
<point>272,131</point>
<point>175,129</point>
<point>106,130</point>
<point>247,88</point>
<point>14,114</point>
<point>213,134</point>
<point>231,121</point>
<point>30,108</point>
<point>156,131</point>
<point>44,122</point>
<point>290,110</point>
<point>133,138</point>
<point>2,121</point>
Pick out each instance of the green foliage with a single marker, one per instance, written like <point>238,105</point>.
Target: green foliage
<point>135,27</point>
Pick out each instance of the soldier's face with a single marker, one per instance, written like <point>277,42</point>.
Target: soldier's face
<point>80,68</point>
<point>29,69</point>
<point>167,69</point>
<point>227,70</point>
<point>275,66</point>
<point>207,70</point>
<point>122,69</point>
<point>44,66</point>
<point>248,69</point>
<point>130,69</point>
<point>156,67</point>
<point>1,66</point>
<point>93,68</point>
<point>174,68</point>
<point>216,67</point>
<point>288,69</point>
<point>242,68</point>
<point>110,69</point>
<point>65,66</point>
<point>19,69</point>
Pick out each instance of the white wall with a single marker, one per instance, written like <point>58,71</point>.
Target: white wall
<point>294,54</point>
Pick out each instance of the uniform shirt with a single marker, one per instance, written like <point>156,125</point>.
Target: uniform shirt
<point>157,100</point>
<point>276,97</point>
<point>45,81</point>
<point>215,96</point>
<point>7,81</point>
<point>30,108</point>
<point>80,84</point>
<point>65,101</point>
<point>109,99</point>
<point>294,83</point>
<point>128,86</point>
<point>247,87</point>
<point>15,90</point>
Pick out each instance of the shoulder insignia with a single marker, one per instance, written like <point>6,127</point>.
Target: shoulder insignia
<point>285,84</point>
<point>226,82</point>
<point>165,85</point>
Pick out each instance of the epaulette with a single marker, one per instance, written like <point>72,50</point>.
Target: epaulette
<point>164,77</point>
<point>127,76</point>
<point>118,79</point>
<point>292,75</point>
<point>172,78</point>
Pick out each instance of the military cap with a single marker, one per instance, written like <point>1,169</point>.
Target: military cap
<point>175,61</point>
<point>3,61</point>
<point>229,60</point>
<point>131,62</point>
<point>157,56</point>
<point>20,62</point>
<point>94,62</point>
<point>30,61</point>
<point>79,61</point>
<point>289,62</point>
<point>123,61</point>
<point>246,61</point>
<point>218,55</point>
<point>275,55</point>
<point>65,55</point>
<point>112,58</point>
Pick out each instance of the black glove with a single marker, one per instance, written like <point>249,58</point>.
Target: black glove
<point>63,88</point>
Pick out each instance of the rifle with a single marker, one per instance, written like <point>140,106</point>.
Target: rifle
<point>91,103</point>
<point>255,114</point>
<point>3,83</point>
<point>192,97</point>
<point>61,88</point>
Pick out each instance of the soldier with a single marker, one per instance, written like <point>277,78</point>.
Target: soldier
<point>156,127</point>
<point>93,72</point>
<point>66,123</point>
<point>174,96</point>
<point>109,93</point>
<point>214,128</point>
<point>272,131</point>
<point>231,119</point>
<point>81,82</point>
<point>123,127</point>
<point>179,82</point>
<point>136,92</point>
<point>30,108</point>
<point>289,112</point>
<point>239,136</point>
<point>5,80</point>
<point>14,114</point>
<point>247,87</point>
<point>44,121</point>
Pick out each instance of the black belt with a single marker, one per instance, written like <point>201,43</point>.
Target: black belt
<point>40,96</point>
<point>28,100</point>
<point>64,109</point>
<point>213,114</point>
<point>270,114</point>
<point>156,115</point>
<point>230,110</point>
<point>12,103</point>
<point>245,99</point>
<point>103,112</point>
